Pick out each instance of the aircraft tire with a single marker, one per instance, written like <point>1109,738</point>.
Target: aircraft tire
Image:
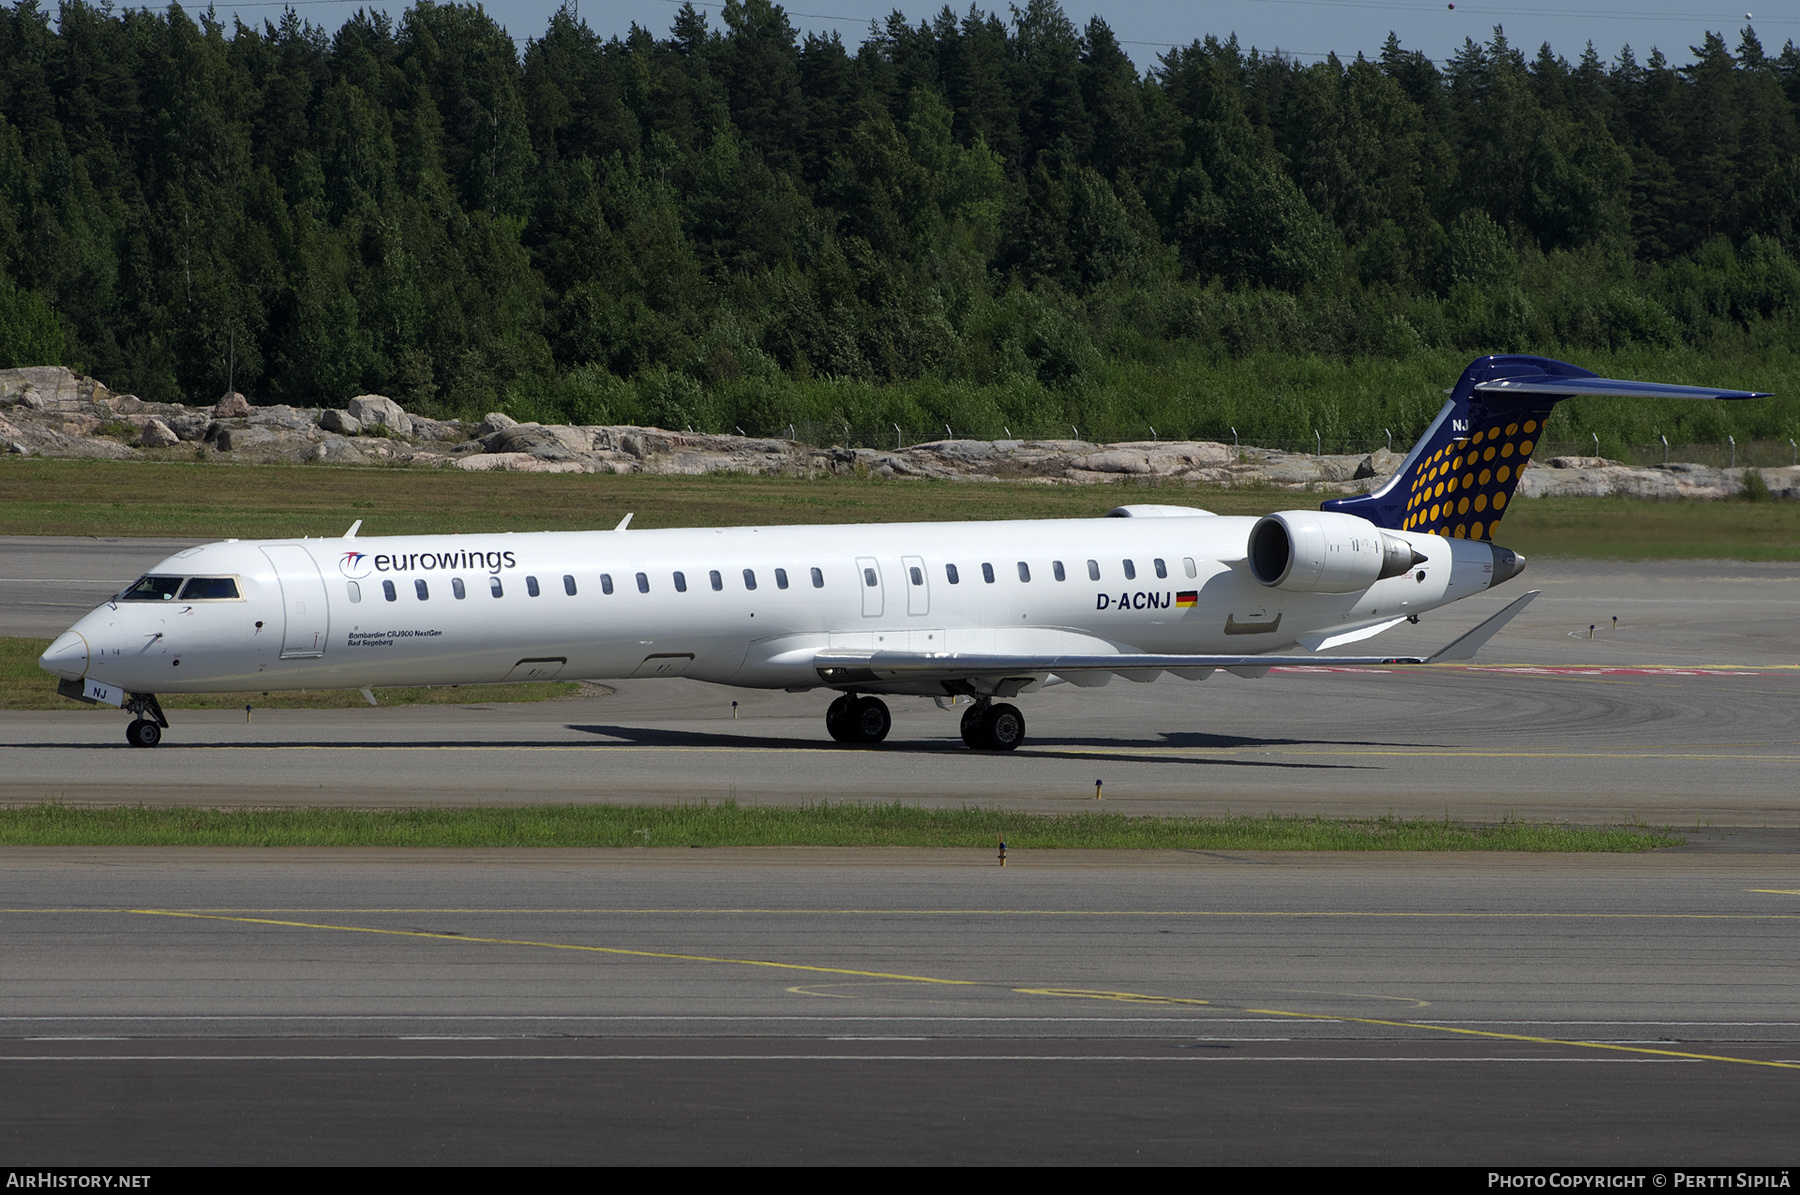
<point>1003,728</point>
<point>143,733</point>
<point>840,718</point>
<point>872,720</point>
<point>972,736</point>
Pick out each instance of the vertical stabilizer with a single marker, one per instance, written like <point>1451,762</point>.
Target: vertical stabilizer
<point>1462,473</point>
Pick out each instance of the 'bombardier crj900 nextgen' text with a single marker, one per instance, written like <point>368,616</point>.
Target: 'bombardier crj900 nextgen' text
<point>988,611</point>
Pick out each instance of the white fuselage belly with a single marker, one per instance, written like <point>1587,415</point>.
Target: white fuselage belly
<point>276,636</point>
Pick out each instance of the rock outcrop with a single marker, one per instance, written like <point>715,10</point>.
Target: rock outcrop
<point>51,411</point>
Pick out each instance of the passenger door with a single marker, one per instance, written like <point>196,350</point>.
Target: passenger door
<point>303,601</point>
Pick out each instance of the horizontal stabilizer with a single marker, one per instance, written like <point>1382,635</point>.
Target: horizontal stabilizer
<point>1606,388</point>
<point>1466,647</point>
<point>849,669</point>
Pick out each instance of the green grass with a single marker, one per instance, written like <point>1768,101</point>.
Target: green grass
<point>44,497</point>
<point>730,824</point>
<point>25,686</point>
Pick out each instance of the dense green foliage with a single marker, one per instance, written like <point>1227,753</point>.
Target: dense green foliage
<point>965,221</point>
<point>842,824</point>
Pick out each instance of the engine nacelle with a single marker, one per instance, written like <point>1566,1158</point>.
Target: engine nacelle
<point>1316,551</point>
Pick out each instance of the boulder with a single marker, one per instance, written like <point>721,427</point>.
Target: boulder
<point>493,422</point>
<point>441,431</point>
<point>157,434</point>
<point>376,409</point>
<point>232,406</point>
<point>236,439</point>
<point>341,422</point>
<point>189,427</point>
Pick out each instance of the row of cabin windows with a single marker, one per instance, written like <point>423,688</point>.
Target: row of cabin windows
<point>1056,570</point>
<point>717,580</point>
<point>423,591</point>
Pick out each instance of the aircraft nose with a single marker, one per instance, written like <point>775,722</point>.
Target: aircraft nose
<point>67,657</point>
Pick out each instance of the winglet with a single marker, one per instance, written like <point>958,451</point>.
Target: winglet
<point>354,527</point>
<point>624,522</point>
<point>1466,647</point>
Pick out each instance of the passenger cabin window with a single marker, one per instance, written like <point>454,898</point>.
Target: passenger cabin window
<point>869,578</point>
<point>1187,566</point>
<point>680,582</point>
<point>717,579</point>
<point>1024,571</point>
<point>643,580</point>
<point>1093,570</point>
<point>531,586</point>
<point>568,585</point>
<point>818,577</point>
<point>1056,570</point>
<point>457,589</point>
<point>495,588</point>
<point>355,591</point>
<point>781,578</point>
<point>917,574</point>
<point>950,573</point>
<point>1162,570</point>
<point>152,589</point>
<point>606,583</point>
<point>204,589</point>
<point>987,573</point>
<point>387,591</point>
<point>1130,571</point>
<point>749,578</point>
<point>420,588</point>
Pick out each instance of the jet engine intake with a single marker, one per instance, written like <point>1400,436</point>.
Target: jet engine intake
<point>1313,551</point>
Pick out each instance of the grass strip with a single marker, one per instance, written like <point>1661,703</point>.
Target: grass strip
<point>843,824</point>
<point>25,686</point>
<point>53,497</point>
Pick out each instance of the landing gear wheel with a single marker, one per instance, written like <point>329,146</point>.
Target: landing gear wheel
<point>1003,728</point>
<point>143,733</point>
<point>872,720</point>
<point>971,728</point>
<point>840,719</point>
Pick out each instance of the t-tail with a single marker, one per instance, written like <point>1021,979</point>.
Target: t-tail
<point>1461,474</point>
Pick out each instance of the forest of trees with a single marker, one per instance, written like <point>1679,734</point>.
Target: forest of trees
<point>981,219</point>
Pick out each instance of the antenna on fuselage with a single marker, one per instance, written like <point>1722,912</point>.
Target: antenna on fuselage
<point>623,523</point>
<point>354,527</point>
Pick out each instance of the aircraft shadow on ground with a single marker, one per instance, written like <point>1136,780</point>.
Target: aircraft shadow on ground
<point>1121,751</point>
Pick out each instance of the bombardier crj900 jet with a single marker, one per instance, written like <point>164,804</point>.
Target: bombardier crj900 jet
<point>987,611</point>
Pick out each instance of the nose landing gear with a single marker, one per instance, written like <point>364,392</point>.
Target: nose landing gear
<point>853,719</point>
<point>990,726</point>
<point>146,729</point>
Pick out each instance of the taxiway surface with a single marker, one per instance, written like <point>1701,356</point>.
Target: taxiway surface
<point>897,1006</point>
<point>894,1006</point>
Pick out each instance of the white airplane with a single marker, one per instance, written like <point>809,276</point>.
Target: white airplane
<point>980,610</point>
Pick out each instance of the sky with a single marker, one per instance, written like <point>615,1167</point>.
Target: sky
<point>1147,28</point>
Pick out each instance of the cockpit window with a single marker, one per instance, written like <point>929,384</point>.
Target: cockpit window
<point>203,588</point>
<point>152,589</point>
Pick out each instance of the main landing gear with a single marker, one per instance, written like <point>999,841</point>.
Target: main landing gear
<point>146,729</point>
<point>986,726</point>
<point>853,719</point>
<point>991,726</point>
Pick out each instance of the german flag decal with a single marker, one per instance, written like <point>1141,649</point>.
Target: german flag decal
<point>1185,600</point>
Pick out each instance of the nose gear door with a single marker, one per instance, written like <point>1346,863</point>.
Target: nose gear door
<point>303,599</point>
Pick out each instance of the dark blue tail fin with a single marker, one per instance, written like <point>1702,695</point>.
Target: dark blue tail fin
<point>1462,473</point>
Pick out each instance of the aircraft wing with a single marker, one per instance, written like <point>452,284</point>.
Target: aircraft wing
<point>848,668</point>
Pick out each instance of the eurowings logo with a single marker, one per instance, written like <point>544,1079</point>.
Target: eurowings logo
<point>354,565</point>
